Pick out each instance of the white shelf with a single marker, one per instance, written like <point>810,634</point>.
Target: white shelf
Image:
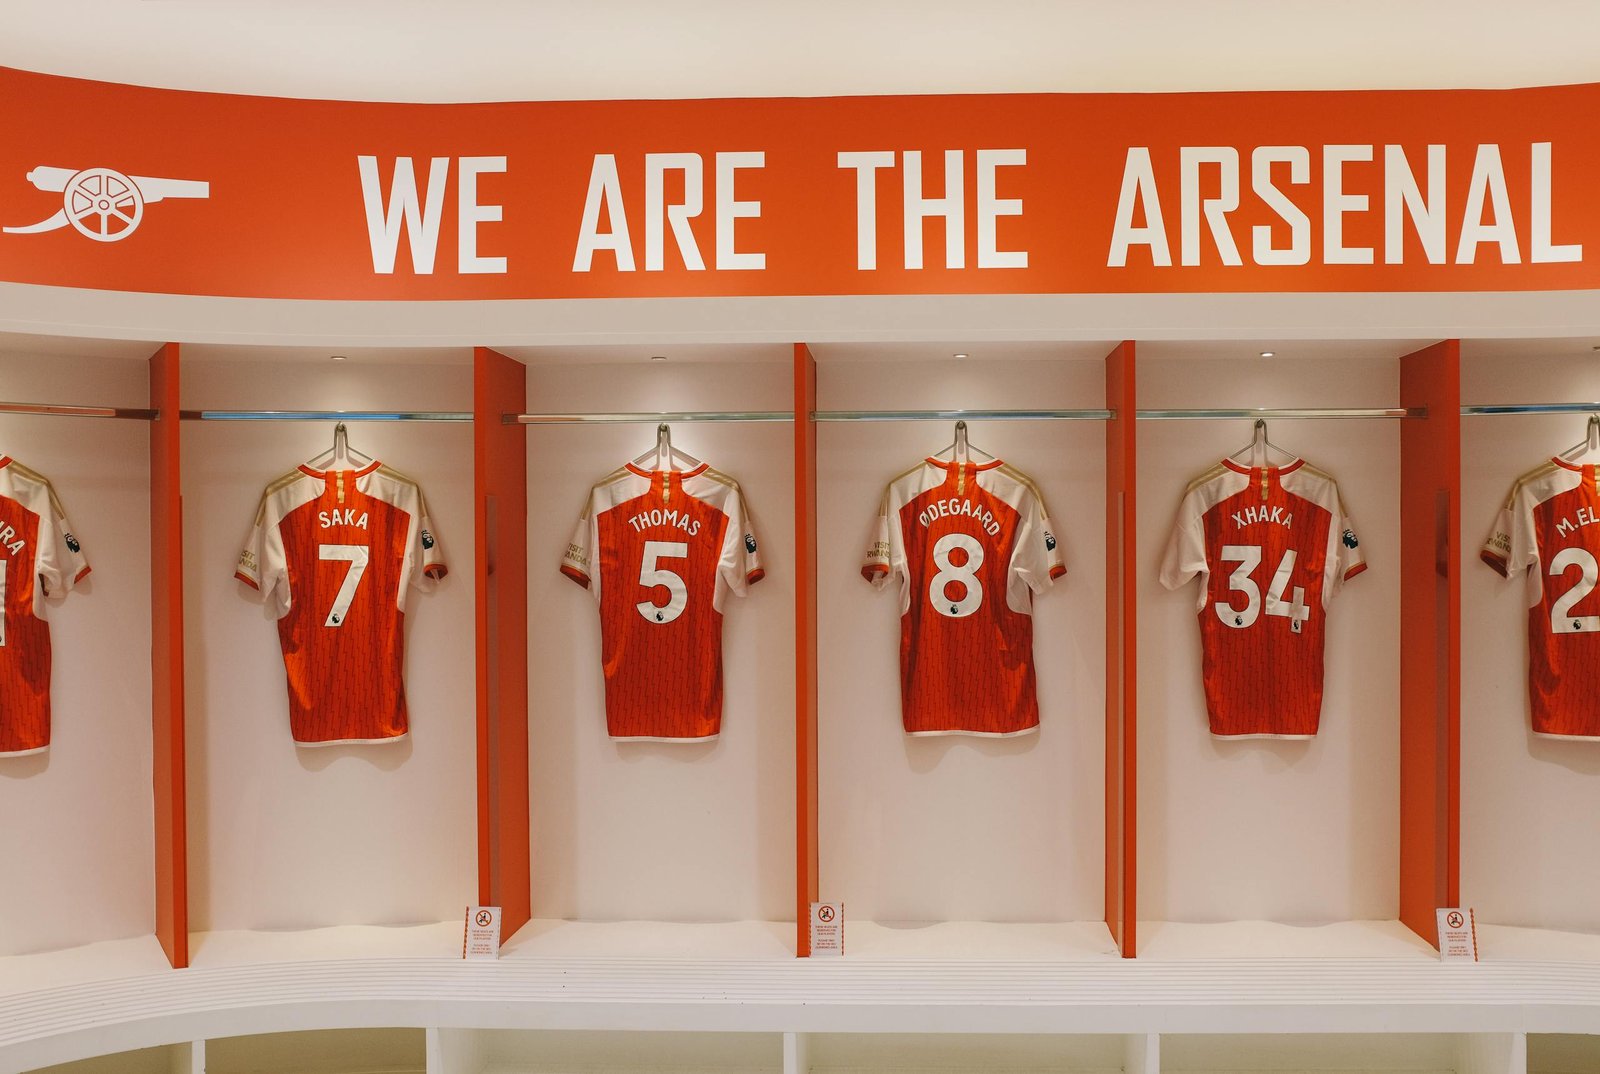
<point>1181,941</point>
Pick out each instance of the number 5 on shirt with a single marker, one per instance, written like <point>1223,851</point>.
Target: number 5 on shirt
<point>651,575</point>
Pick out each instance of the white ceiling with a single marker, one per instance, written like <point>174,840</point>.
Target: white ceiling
<point>428,50</point>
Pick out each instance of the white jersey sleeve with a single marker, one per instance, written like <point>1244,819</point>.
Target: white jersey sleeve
<point>1345,559</point>
<point>1036,560</point>
<point>740,566</point>
<point>263,565</point>
<point>61,562</point>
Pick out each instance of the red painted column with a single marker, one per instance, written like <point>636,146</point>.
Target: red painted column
<point>1430,646</point>
<point>805,643</point>
<point>1122,580</point>
<point>500,504</point>
<point>166,662</point>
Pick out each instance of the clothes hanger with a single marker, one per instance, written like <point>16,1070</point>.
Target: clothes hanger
<point>961,450</point>
<point>1588,449</point>
<point>664,456</point>
<point>341,456</point>
<point>1261,450</point>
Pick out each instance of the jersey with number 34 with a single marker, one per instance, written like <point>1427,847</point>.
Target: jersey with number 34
<point>1548,529</point>
<point>1271,546</point>
<point>972,545</point>
<point>334,554</point>
<point>659,551</point>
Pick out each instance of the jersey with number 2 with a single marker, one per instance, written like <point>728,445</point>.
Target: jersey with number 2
<point>1550,529</point>
<point>972,545</point>
<point>1271,546</point>
<point>659,551</point>
<point>334,553</point>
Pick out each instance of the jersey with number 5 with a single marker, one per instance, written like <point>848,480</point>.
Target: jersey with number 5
<point>334,553</point>
<point>972,545</point>
<point>1271,546</point>
<point>1548,529</point>
<point>659,551</point>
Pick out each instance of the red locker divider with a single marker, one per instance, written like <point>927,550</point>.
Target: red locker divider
<point>1430,647</point>
<point>1122,583</point>
<point>805,642</point>
<point>500,504</point>
<point>166,662</point>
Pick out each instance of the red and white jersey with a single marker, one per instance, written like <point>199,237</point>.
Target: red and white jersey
<point>334,553</point>
<point>660,551</point>
<point>39,557</point>
<point>1548,530</point>
<point>1271,546</point>
<point>971,545</point>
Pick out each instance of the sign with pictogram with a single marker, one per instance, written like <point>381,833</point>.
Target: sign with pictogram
<point>481,938</point>
<point>827,929</point>
<point>1458,934</point>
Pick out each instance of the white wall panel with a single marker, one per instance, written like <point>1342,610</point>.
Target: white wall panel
<point>282,836</point>
<point>76,823</point>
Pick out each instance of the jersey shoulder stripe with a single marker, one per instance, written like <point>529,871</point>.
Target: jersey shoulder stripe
<point>1539,473</point>
<point>1206,478</point>
<point>36,483</point>
<point>1022,479</point>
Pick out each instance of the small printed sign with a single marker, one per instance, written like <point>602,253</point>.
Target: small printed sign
<point>481,938</point>
<point>827,929</point>
<point>1458,935</point>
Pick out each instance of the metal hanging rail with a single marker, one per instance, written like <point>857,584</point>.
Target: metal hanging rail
<point>1532,408</point>
<point>1289,412</point>
<point>653,418</point>
<point>63,411</point>
<point>963,415</point>
<point>326,415</point>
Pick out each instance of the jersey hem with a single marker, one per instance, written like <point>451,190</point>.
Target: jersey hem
<point>974,734</point>
<point>1264,734</point>
<point>665,738</point>
<point>1566,738</point>
<point>23,753</point>
<point>352,741</point>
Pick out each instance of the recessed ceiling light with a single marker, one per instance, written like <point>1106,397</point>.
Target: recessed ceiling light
<point>658,357</point>
<point>958,355</point>
<point>338,357</point>
<point>1269,354</point>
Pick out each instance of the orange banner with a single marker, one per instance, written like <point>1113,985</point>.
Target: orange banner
<point>135,189</point>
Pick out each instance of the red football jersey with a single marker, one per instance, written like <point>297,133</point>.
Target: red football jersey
<point>335,552</point>
<point>1271,546</point>
<point>1548,529</point>
<point>971,545</point>
<point>39,557</point>
<point>659,550</point>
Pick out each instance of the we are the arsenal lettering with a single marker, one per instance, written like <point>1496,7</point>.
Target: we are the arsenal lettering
<point>103,186</point>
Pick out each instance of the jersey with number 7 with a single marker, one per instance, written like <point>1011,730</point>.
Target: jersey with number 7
<point>972,545</point>
<point>659,550</point>
<point>1271,546</point>
<point>1548,528</point>
<point>334,553</point>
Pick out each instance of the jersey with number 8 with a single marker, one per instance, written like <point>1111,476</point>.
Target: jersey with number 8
<point>659,550</point>
<point>1548,528</point>
<point>335,552</point>
<point>1271,546</point>
<point>972,545</point>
